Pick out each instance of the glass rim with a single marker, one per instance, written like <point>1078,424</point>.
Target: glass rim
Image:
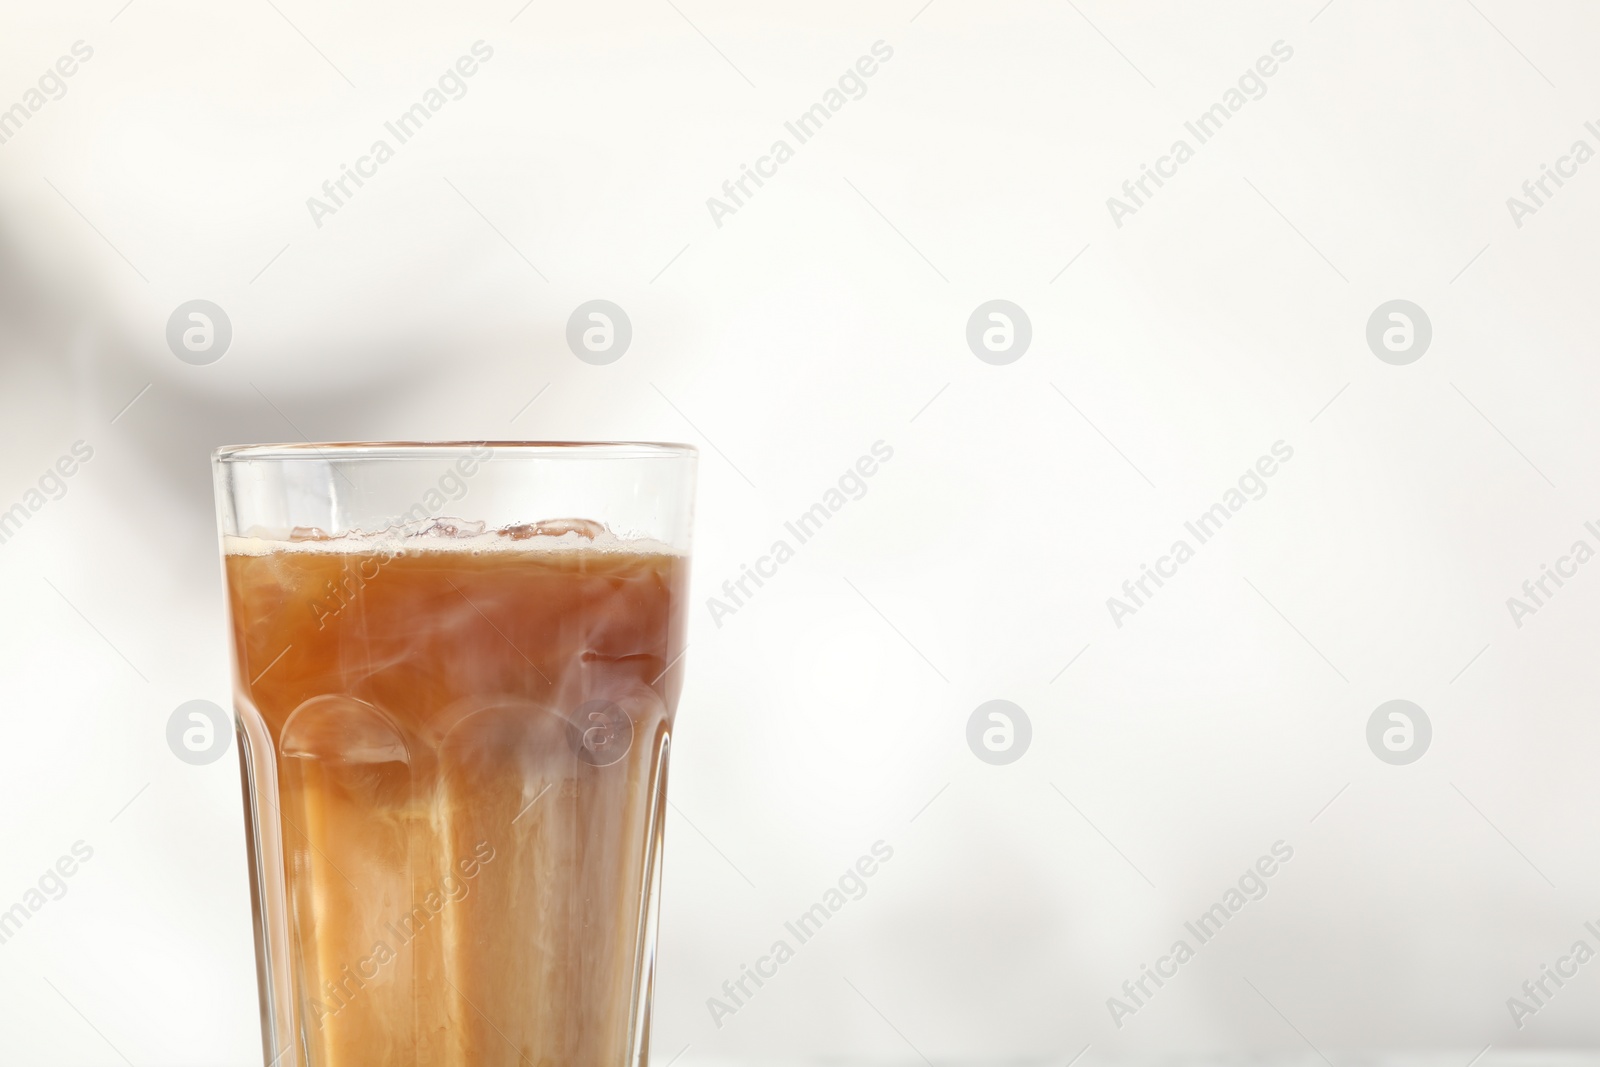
<point>403,450</point>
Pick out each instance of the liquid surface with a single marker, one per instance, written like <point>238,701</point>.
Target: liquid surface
<point>457,748</point>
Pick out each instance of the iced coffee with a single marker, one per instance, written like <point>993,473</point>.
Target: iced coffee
<point>457,740</point>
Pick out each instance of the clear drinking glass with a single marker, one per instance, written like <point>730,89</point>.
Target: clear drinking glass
<point>456,671</point>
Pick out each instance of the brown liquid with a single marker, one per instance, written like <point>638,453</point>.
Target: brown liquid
<point>458,867</point>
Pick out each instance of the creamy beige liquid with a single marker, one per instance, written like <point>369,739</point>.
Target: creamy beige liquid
<point>467,743</point>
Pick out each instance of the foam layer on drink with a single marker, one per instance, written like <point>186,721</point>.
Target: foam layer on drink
<point>462,736</point>
<point>448,535</point>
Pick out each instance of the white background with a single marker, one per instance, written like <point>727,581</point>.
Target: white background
<point>828,313</point>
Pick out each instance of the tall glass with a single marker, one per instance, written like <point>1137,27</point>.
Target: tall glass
<point>456,671</point>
